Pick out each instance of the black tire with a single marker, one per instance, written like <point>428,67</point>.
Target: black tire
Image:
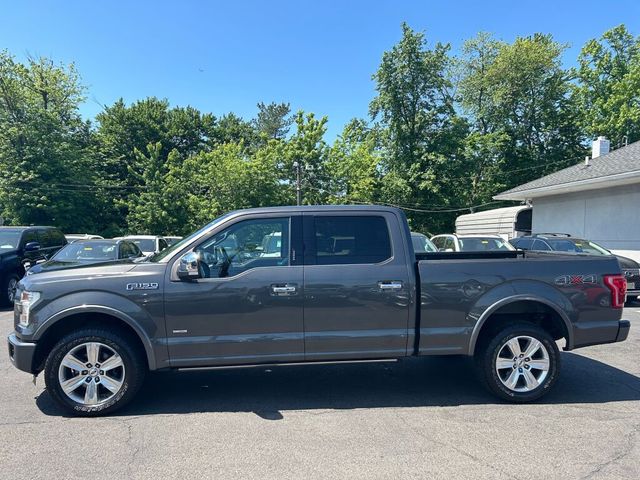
<point>487,354</point>
<point>5,299</point>
<point>133,372</point>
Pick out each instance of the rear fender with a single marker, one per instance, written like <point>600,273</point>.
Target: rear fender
<point>516,291</point>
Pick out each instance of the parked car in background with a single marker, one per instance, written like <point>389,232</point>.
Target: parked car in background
<point>421,243</point>
<point>171,239</point>
<point>470,243</point>
<point>20,248</point>
<point>72,237</point>
<point>148,244</point>
<point>88,252</point>
<point>559,242</point>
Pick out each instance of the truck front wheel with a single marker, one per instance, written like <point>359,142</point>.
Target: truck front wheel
<point>94,372</point>
<point>520,363</point>
<point>8,286</point>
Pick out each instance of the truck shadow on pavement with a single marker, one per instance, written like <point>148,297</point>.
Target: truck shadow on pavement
<point>412,382</point>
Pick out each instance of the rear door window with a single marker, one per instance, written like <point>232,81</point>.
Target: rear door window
<point>540,245</point>
<point>57,238</point>
<point>46,239</point>
<point>523,243</point>
<point>341,240</point>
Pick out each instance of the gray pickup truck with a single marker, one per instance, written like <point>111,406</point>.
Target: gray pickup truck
<point>306,284</point>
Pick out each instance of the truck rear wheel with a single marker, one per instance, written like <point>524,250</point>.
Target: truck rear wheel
<point>520,363</point>
<point>94,372</point>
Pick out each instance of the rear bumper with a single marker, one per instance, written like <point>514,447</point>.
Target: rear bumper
<point>21,353</point>
<point>623,330</point>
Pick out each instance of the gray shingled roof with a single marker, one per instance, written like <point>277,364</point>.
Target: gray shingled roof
<point>620,161</point>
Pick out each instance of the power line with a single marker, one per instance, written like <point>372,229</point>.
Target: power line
<point>428,209</point>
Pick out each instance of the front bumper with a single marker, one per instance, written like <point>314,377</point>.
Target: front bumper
<point>21,353</point>
<point>623,330</point>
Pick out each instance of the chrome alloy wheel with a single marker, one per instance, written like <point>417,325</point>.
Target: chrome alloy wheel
<point>11,289</point>
<point>522,364</point>
<point>91,373</point>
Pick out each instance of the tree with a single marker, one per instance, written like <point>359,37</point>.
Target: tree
<point>225,179</point>
<point>150,210</point>
<point>413,102</point>
<point>46,159</point>
<point>421,132</point>
<point>125,131</point>
<point>233,129</point>
<point>273,120</point>
<point>608,90</point>
<point>476,89</point>
<point>520,94</point>
<point>307,147</point>
<point>354,164</point>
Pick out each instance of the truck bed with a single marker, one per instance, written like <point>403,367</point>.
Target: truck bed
<point>460,291</point>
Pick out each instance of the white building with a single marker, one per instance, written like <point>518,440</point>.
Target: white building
<point>598,199</point>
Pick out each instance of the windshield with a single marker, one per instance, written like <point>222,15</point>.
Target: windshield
<point>422,244</point>
<point>9,239</point>
<point>80,251</point>
<point>144,244</point>
<point>577,246</point>
<point>478,244</point>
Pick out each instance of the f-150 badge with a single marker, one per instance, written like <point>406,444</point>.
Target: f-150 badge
<point>142,286</point>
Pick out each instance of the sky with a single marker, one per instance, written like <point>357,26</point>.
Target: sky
<point>227,56</point>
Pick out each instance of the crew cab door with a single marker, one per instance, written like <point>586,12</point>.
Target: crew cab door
<point>248,306</point>
<point>357,286</point>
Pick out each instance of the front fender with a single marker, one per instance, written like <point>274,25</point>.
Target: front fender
<point>141,320</point>
<point>521,290</point>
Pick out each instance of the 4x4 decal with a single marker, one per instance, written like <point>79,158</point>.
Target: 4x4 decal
<point>566,280</point>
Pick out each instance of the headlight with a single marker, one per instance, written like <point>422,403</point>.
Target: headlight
<point>25,303</point>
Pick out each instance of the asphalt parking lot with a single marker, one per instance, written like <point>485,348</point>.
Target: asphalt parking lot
<point>418,418</point>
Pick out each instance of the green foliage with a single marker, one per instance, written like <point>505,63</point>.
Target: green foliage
<point>273,120</point>
<point>413,102</point>
<point>609,86</point>
<point>519,97</point>
<point>354,165</point>
<point>227,179</point>
<point>45,154</point>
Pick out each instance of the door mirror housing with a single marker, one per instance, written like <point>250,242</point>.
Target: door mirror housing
<point>189,267</point>
<point>32,247</point>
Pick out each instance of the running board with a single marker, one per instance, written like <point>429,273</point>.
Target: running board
<point>287,364</point>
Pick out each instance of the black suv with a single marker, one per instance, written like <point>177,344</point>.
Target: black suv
<point>20,248</point>
<point>567,243</point>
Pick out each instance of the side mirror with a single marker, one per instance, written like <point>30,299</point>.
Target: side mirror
<point>189,267</point>
<point>32,247</point>
<point>448,249</point>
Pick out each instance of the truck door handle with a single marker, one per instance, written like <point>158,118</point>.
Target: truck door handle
<point>284,289</point>
<point>390,285</point>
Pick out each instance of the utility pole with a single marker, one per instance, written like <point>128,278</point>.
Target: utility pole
<point>298,168</point>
